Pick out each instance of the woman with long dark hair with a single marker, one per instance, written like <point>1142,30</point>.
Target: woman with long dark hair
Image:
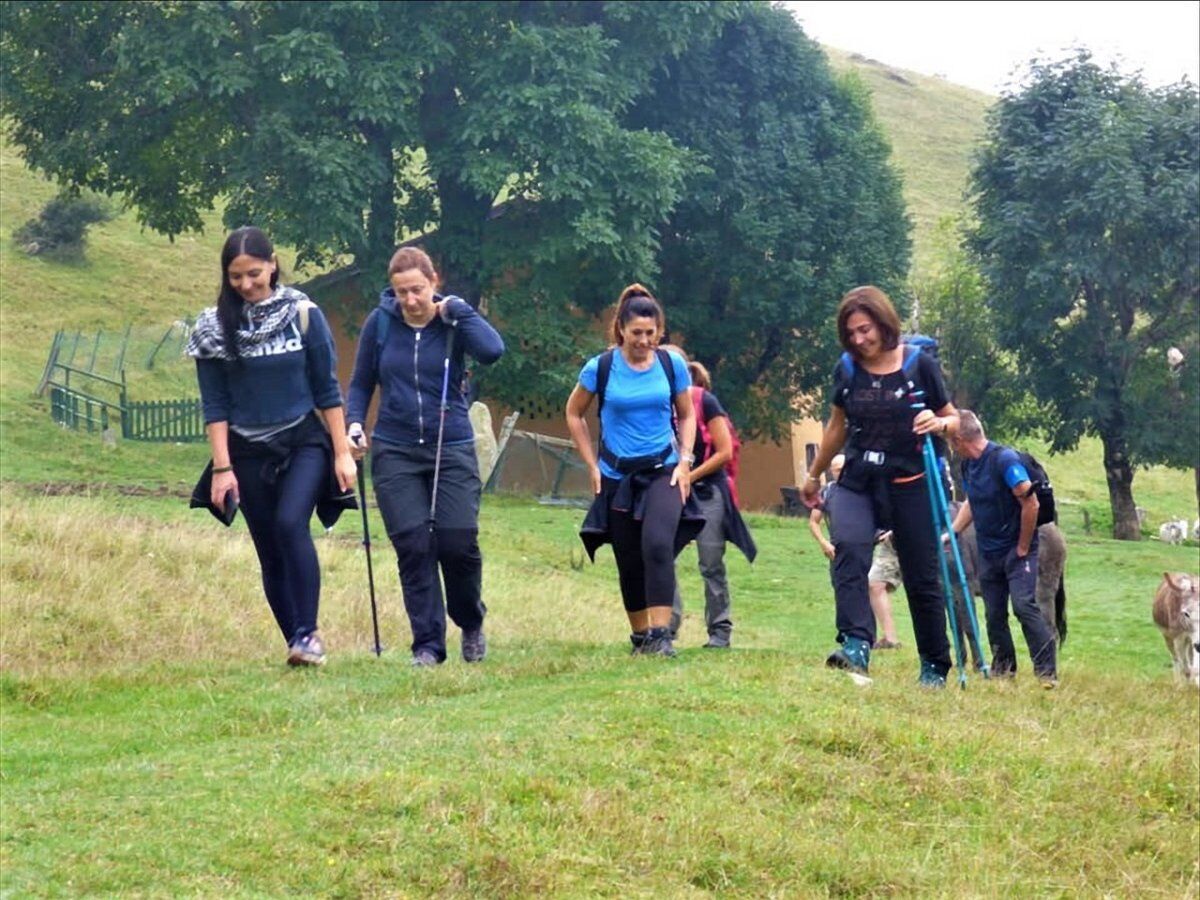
<point>886,397</point>
<point>640,477</point>
<point>266,365</point>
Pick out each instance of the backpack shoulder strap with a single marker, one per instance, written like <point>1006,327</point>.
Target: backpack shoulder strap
<point>303,309</point>
<point>911,354</point>
<point>664,357</point>
<point>603,369</point>
<point>847,363</point>
<point>382,322</point>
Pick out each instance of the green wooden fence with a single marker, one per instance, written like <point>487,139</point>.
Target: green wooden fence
<point>179,421</point>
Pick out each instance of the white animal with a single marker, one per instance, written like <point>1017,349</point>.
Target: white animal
<point>1173,532</point>
<point>1177,615</point>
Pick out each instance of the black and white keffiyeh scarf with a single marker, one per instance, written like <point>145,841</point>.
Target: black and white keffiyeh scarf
<point>261,322</point>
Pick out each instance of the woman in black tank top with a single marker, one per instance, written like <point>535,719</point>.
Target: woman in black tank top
<point>886,398</point>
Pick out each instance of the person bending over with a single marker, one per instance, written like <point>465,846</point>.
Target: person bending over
<point>1004,507</point>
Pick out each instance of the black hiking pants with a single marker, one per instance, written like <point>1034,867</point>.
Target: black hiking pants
<point>403,479</point>
<point>855,521</point>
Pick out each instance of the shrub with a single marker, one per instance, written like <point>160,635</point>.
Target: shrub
<point>61,226</point>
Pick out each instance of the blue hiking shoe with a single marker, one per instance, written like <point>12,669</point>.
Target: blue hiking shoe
<point>638,640</point>
<point>933,675</point>
<point>854,656</point>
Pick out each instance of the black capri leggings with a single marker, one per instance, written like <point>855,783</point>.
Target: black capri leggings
<point>645,550</point>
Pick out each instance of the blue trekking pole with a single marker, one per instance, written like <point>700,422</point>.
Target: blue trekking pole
<point>942,523</point>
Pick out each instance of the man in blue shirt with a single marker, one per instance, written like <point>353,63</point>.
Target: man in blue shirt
<point>1004,507</point>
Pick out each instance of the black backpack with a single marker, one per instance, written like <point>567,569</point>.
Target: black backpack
<point>1047,511</point>
<point>604,367</point>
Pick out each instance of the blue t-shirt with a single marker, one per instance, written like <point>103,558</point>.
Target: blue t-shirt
<point>636,419</point>
<point>989,482</point>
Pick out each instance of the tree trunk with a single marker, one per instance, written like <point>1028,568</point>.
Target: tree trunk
<point>381,226</point>
<point>1119,475</point>
<point>458,243</point>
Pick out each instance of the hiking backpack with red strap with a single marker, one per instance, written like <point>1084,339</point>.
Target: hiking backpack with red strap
<point>734,465</point>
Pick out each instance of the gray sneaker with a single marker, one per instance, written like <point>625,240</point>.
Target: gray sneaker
<point>658,643</point>
<point>308,651</point>
<point>718,641</point>
<point>423,659</point>
<point>474,644</point>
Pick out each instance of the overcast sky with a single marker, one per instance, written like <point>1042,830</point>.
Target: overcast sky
<point>978,44</point>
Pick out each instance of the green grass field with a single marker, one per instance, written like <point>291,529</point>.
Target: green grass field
<point>152,743</point>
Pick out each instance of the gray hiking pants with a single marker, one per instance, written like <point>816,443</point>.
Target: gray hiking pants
<point>710,546</point>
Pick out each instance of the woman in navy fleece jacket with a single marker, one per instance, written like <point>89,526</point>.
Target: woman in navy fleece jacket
<point>402,350</point>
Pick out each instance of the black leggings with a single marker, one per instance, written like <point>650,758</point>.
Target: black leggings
<point>278,517</point>
<point>645,550</point>
<point>854,518</point>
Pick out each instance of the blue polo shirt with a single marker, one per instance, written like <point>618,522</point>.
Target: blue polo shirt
<point>989,482</point>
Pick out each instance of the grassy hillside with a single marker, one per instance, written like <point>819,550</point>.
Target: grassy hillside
<point>933,126</point>
<point>128,275</point>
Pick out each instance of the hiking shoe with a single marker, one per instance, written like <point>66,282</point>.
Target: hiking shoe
<point>307,651</point>
<point>638,639</point>
<point>658,643</point>
<point>474,644</point>
<point>932,675</point>
<point>424,659</point>
<point>854,656</point>
<point>1048,682</point>
<point>717,642</point>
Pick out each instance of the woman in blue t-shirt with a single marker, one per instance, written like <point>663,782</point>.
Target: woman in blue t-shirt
<point>267,368</point>
<point>640,479</point>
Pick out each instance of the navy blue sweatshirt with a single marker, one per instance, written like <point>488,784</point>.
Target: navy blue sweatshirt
<point>408,369</point>
<point>285,379</point>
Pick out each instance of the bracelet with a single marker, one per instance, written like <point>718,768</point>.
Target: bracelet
<point>812,478</point>
<point>222,470</point>
<point>688,458</point>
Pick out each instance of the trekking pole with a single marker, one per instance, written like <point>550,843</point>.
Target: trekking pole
<point>437,460</point>
<point>366,542</point>
<point>931,474</point>
<point>943,525</point>
<point>956,550</point>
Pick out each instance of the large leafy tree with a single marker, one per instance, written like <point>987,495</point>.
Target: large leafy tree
<point>981,375</point>
<point>343,127</point>
<point>794,204</point>
<point>1088,205</point>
